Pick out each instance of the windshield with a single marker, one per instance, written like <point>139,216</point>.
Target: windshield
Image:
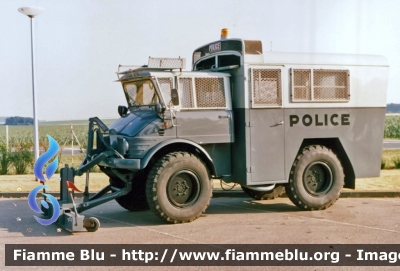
<point>141,92</point>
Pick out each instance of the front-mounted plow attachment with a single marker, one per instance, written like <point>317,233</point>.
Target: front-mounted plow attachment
<point>70,211</point>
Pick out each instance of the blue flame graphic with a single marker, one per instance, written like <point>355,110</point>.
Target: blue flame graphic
<point>44,158</point>
<point>32,203</point>
<point>38,171</point>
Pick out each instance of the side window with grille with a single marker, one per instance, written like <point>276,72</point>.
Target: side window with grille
<point>266,88</point>
<point>210,92</point>
<point>331,85</point>
<point>185,87</point>
<point>202,92</point>
<point>320,85</point>
<point>165,88</point>
<point>301,85</point>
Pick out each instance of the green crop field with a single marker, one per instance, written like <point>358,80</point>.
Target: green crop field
<point>61,131</point>
<point>392,126</point>
<point>18,135</point>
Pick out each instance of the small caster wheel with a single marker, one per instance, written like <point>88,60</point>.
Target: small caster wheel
<point>91,224</point>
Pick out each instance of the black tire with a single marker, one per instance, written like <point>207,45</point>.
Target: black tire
<point>316,179</point>
<point>266,195</point>
<point>136,199</point>
<point>179,187</point>
<point>92,224</point>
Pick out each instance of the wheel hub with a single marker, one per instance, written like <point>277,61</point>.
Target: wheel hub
<point>314,178</point>
<point>181,188</point>
<point>318,178</point>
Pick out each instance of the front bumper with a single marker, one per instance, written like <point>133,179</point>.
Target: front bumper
<point>112,162</point>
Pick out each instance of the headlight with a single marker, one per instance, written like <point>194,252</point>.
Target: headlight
<point>123,146</point>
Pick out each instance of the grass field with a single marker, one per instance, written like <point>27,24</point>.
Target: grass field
<point>389,156</point>
<point>61,131</point>
<point>392,126</point>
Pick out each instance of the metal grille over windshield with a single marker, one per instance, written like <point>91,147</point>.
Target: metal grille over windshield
<point>141,93</point>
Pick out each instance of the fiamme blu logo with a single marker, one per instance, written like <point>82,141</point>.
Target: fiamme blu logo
<point>50,170</point>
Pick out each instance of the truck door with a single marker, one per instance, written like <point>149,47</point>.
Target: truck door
<point>205,115</point>
<point>267,132</point>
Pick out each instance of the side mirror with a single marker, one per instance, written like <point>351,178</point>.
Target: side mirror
<point>174,96</point>
<point>122,110</point>
<point>160,109</point>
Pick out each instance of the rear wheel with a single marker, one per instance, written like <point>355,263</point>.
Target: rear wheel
<point>265,195</point>
<point>135,200</point>
<point>316,179</point>
<point>179,187</point>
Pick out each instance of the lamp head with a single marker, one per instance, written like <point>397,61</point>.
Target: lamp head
<point>31,11</point>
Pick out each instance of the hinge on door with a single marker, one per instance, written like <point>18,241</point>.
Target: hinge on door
<point>250,169</point>
<point>249,123</point>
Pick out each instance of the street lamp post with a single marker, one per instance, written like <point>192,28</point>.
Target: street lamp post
<point>32,12</point>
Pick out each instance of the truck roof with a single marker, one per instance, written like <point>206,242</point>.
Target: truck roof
<point>324,59</point>
<point>252,53</point>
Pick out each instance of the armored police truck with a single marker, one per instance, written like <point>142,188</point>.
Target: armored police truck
<point>307,124</point>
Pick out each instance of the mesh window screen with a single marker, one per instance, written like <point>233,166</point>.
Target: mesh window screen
<point>165,87</point>
<point>210,92</point>
<point>149,94</point>
<point>185,92</point>
<point>266,87</point>
<point>141,93</point>
<point>177,63</point>
<point>131,90</point>
<point>301,85</point>
<point>331,85</point>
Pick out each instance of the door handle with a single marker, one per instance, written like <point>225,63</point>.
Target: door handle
<point>277,124</point>
<point>223,117</point>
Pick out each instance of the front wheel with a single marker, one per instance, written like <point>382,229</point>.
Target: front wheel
<point>179,187</point>
<point>316,179</point>
<point>135,200</point>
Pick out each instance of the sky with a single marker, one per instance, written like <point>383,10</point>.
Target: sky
<point>80,43</point>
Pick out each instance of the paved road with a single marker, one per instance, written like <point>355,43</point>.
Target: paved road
<point>227,221</point>
<point>391,144</point>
